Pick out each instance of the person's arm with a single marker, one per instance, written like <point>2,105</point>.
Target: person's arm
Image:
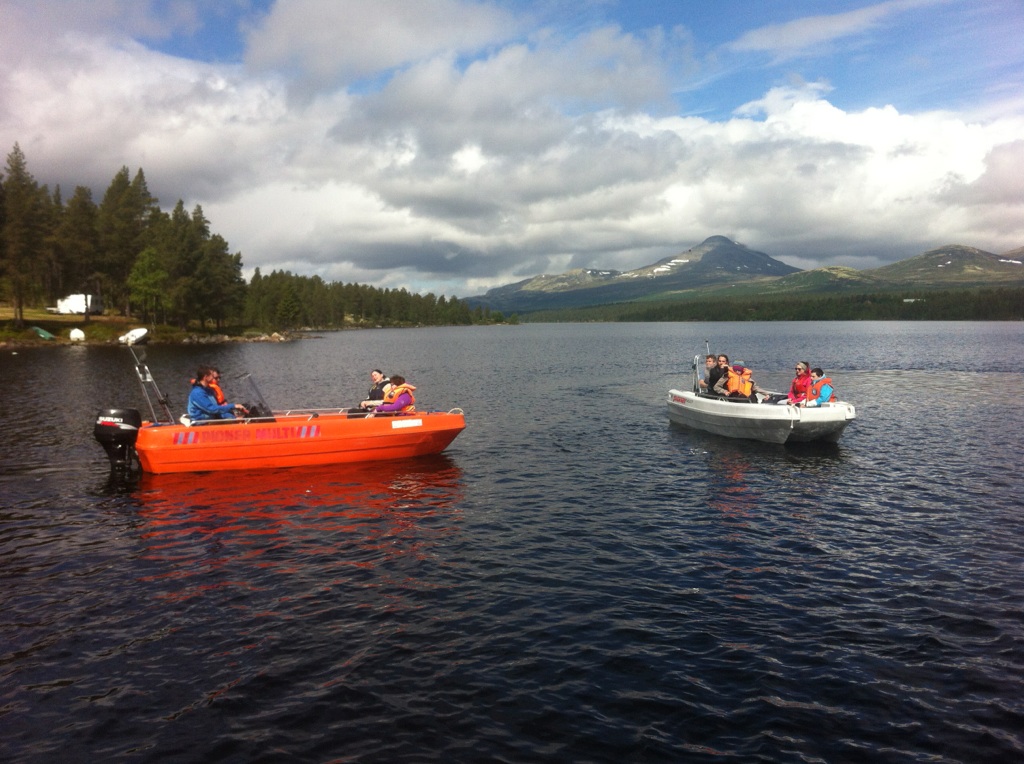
<point>403,400</point>
<point>205,402</point>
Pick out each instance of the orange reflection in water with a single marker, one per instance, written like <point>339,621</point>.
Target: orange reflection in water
<point>215,530</point>
<point>730,491</point>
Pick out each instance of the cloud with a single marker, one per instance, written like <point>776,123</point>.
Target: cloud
<point>488,151</point>
<point>805,34</point>
<point>347,41</point>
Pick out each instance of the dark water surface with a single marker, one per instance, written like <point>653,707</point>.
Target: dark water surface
<point>573,580</point>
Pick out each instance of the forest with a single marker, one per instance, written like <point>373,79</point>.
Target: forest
<point>171,268</point>
<point>979,304</point>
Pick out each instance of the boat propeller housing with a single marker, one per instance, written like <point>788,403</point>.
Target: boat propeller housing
<point>117,430</point>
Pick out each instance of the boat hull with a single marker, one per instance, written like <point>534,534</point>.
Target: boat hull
<point>293,441</point>
<point>768,423</point>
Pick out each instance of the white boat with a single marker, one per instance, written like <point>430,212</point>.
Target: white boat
<point>134,337</point>
<point>766,422</point>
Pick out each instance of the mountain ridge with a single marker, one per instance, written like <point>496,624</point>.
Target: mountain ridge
<point>719,265</point>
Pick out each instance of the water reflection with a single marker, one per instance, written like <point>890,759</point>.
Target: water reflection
<point>319,524</point>
<point>736,469</point>
<point>729,490</point>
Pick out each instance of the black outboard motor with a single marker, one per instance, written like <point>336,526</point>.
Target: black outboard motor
<point>116,430</point>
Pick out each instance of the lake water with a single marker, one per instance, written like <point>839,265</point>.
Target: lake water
<point>574,580</point>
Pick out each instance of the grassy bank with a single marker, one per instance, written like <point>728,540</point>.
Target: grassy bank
<point>98,330</point>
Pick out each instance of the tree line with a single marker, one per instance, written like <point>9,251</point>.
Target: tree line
<point>288,301</point>
<point>978,304</point>
<point>170,268</point>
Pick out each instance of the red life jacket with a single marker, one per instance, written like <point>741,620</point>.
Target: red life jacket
<point>799,387</point>
<point>816,389</point>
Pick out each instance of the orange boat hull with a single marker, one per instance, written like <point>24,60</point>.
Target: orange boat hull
<point>293,441</point>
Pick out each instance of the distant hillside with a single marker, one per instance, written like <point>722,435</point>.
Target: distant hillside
<point>952,265</point>
<point>717,260</point>
<point>721,267</point>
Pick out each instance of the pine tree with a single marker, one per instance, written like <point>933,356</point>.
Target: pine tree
<point>22,232</point>
<point>148,283</point>
<point>77,242</point>
<point>126,214</point>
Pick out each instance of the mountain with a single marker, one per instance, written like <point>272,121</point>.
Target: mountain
<point>717,260</point>
<point>953,265</point>
<point>720,267</point>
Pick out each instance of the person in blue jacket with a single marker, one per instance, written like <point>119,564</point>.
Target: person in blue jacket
<point>821,390</point>
<point>202,401</point>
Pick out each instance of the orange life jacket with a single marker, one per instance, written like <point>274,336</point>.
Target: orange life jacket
<point>739,383</point>
<point>218,393</point>
<point>395,390</point>
<point>816,389</point>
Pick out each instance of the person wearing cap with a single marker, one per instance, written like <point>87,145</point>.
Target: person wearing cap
<point>737,382</point>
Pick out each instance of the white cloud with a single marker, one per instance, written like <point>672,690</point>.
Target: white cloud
<point>808,33</point>
<point>456,173</point>
<point>328,40</point>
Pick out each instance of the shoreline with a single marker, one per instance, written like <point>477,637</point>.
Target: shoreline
<point>192,339</point>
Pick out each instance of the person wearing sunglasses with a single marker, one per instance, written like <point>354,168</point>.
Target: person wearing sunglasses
<point>214,385</point>
<point>800,385</point>
<point>202,400</point>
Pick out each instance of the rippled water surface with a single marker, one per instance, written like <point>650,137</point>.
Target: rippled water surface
<point>573,580</point>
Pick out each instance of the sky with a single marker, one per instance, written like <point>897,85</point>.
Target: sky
<point>452,146</point>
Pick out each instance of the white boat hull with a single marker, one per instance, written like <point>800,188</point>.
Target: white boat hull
<point>134,337</point>
<point>766,422</point>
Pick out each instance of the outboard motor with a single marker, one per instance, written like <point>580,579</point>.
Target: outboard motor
<point>117,430</point>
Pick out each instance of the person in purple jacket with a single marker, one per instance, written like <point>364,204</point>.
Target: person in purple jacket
<point>398,397</point>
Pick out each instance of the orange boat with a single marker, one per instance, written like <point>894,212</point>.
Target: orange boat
<point>268,439</point>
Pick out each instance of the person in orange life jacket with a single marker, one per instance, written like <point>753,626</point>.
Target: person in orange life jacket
<point>737,382</point>
<point>202,401</point>
<point>821,389</point>
<point>801,383</point>
<point>398,397</point>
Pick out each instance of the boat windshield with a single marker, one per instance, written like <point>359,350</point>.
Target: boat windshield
<point>255,401</point>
